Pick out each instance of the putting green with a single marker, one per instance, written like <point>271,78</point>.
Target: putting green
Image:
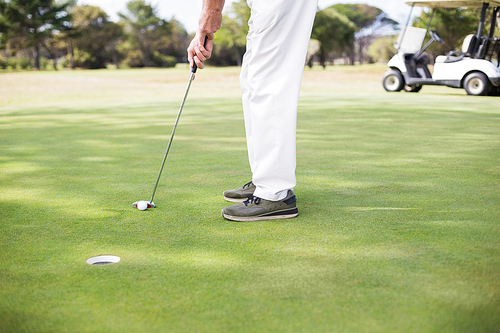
<point>398,194</point>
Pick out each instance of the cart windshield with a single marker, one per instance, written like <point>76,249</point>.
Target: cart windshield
<point>410,40</point>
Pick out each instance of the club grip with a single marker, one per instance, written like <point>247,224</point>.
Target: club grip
<point>195,68</point>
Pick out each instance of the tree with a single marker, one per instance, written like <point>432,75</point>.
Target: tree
<point>334,32</point>
<point>147,32</point>
<point>4,25</point>
<point>94,37</point>
<point>382,49</point>
<point>32,23</point>
<point>56,47</point>
<point>371,22</point>
<point>176,42</point>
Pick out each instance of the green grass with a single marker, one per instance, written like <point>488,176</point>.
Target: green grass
<point>399,199</point>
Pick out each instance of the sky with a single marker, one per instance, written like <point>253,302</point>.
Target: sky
<point>187,11</point>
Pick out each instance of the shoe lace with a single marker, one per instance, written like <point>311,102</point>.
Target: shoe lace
<point>252,199</point>
<point>247,184</point>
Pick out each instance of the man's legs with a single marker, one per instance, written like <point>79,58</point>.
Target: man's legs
<point>271,76</point>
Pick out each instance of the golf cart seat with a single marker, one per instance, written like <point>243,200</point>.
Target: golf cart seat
<point>468,47</point>
<point>469,43</point>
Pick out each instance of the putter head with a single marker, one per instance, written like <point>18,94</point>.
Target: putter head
<point>150,204</point>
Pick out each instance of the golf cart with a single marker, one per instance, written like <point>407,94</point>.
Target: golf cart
<point>476,67</point>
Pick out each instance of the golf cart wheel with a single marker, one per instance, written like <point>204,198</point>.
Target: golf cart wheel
<point>393,80</point>
<point>413,88</point>
<point>477,84</point>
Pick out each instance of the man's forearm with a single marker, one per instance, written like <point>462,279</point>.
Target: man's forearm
<point>211,16</point>
<point>213,5</point>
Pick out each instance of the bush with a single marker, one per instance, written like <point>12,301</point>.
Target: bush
<point>44,63</point>
<point>161,60</point>
<point>65,61</point>
<point>15,63</point>
<point>134,59</point>
<point>12,63</point>
<point>3,63</point>
<point>24,63</point>
<point>84,59</point>
<point>80,57</point>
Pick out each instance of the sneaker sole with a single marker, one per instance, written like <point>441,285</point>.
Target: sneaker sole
<point>273,216</point>
<point>234,199</point>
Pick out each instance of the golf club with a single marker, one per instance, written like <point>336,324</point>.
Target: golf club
<point>143,205</point>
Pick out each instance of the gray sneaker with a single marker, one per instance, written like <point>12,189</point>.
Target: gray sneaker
<point>258,209</point>
<point>240,194</point>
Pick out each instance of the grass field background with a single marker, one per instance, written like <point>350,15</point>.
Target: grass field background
<point>398,193</point>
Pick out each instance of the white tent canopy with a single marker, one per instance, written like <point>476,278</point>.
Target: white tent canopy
<point>452,3</point>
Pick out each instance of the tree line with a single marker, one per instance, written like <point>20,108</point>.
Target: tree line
<point>36,32</point>
<point>84,37</point>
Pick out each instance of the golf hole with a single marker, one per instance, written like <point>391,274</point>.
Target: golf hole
<point>103,260</point>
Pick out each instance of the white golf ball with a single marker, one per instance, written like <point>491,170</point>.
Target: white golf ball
<point>142,205</point>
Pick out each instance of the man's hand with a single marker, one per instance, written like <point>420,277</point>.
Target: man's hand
<point>199,51</point>
<point>210,21</point>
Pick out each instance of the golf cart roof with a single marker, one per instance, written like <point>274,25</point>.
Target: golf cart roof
<point>451,3</point>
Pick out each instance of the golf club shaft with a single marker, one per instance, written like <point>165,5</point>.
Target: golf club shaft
<point>173,133</point>
<point>193,72</point>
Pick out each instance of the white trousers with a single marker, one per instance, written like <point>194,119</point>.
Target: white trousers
<point>271,76</point>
